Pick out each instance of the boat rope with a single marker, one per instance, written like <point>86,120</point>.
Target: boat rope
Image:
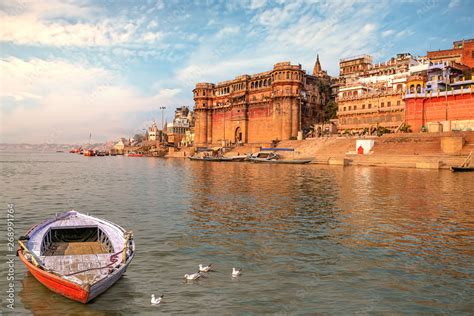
<point>113,260</point>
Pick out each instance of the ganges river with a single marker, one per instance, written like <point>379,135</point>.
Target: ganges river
<point>309,238</point>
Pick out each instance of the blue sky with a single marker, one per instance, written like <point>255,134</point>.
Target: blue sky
<point>70,68</point>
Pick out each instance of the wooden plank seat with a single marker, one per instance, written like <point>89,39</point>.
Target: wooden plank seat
<point>75,248</point>
<point>74,263</point>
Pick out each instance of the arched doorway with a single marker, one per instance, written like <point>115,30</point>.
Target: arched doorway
<point>238,135</point>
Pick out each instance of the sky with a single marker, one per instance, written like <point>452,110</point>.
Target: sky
<point>73,68</point>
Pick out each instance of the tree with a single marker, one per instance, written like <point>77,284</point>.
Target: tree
<point>138,138</point>
<point>330,110</point>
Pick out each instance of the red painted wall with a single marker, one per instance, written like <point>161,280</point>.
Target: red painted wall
<point>421,110</point>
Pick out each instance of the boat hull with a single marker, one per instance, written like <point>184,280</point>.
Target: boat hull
<point>70,289</point>
<point>462,169</point>
<point>56,283</point>
<point>276,161</point>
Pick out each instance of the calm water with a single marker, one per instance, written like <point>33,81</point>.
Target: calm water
<point>310,239</point>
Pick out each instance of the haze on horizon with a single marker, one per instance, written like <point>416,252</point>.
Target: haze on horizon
<point>71,68</point>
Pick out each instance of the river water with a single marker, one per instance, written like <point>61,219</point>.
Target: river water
<point>309,238</point>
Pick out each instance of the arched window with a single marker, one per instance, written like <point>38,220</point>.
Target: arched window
<point>412,88</point>
<point>418,88</point>
<point>252,85</point>
<point>287,75</point>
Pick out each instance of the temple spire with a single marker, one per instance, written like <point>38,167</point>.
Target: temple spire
<point>317,67</point>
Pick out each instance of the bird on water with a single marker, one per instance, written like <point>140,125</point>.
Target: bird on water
<point>156,301</point>
<point>205,269</point>
<point>236,272</point>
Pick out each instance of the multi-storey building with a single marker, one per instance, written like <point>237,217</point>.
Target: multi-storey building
<point>441,101</point>
<point>182,123</point>
<point>260,108</point>
<point>371,95</point>
<point>153,132</point>
<point>461,53</point>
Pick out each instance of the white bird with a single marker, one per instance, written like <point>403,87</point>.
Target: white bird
<point>236,272</point>
<point>156,301</point>
<point>191,277</point>
<point>205,269</point>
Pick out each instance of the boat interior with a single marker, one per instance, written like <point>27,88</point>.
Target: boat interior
<point>75,241</point>
<point>265,155</point>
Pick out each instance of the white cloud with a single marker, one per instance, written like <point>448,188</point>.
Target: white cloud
<point>61,24</point>
<point>256,4</point>
<point>387,33</point>
<point>228,30</point>
<point>453,4</point>
<point>45,96</point>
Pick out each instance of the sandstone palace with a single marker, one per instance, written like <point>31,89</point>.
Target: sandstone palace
<point>274,105</point>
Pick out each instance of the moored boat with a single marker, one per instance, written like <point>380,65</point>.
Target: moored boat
<point>271,157</point>
<point>465,167</point>
<point>132,154</point>
<point>77,255</point>
<point>89,153</point>
<point>462,169</point>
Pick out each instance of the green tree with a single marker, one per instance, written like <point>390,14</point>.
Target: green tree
<point>330,110</point>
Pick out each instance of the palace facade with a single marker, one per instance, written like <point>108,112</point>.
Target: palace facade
<point>260,108</point>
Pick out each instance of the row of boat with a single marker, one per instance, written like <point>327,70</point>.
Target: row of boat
<point>259,157</point>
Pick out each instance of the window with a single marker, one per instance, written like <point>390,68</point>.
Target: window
<point>344,108</point>
<point>382,105</point>
<point>472,54</point>
<point>355,107</point>
<point>369,106</point>
<point>389,104</point>
<point>398,103</point>
<point>350,107</point>
<point>363,106</point>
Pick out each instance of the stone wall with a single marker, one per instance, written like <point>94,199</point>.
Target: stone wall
<point>450,111</point>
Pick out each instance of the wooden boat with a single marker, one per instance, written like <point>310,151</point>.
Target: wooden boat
<point>134,155</point>
<point>239,158</point>
<point>462,169</point>
<point>209,158</point>
<point>77,255</point>
<point>270,157</point>
<point>89,153</point>
<point>465,167</point>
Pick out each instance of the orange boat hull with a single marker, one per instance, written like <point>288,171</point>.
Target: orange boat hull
<point>56,283</point>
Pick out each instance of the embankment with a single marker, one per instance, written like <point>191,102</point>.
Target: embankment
<point>417,150</point>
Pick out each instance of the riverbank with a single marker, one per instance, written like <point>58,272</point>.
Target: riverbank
<point>414,150</point>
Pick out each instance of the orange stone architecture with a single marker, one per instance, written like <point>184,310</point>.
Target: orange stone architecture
<point>443,100</point>
<point>371,95</point>
<point>461,53</point>
<point>260,108</point>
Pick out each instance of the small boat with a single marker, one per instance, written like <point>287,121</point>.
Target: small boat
<point>77,255</point>
<point>271,157</point>
<point>89,153</point>
<point>462,169</point>
<point>465,167</point>
<point>209,158</point>
<point>132,154</point>
<point>239,158</point>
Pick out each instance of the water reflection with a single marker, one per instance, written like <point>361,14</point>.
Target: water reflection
<point>310,238</point>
